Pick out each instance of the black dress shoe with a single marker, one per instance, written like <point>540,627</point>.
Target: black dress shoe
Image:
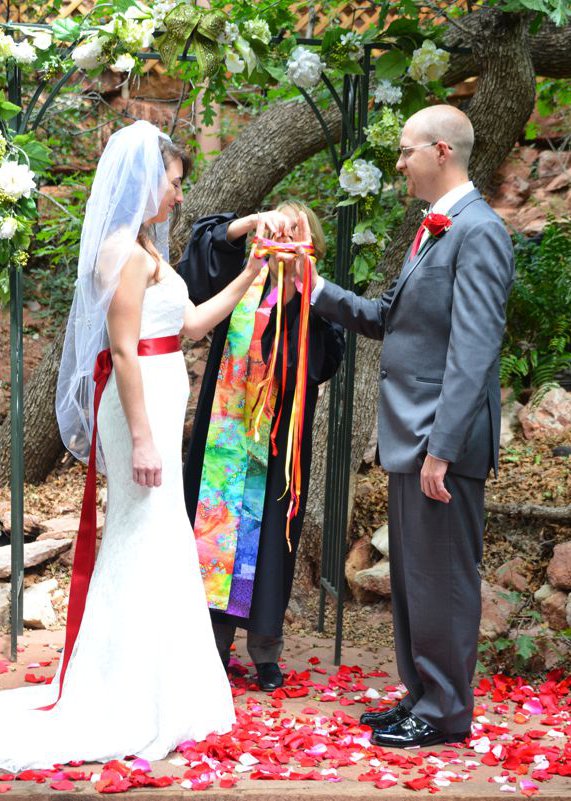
<point>380,720</point>
<point>411,732</point>
<point>269,676</point>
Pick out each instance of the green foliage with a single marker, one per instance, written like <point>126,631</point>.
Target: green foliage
<point>538,331</point>
<point>553,96</point>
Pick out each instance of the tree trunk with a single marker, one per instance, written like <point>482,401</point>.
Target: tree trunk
<point>504,95</point>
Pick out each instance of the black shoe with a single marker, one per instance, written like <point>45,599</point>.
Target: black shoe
<point>269,676</point>
<point>380,720</point>
<point>411,732</point>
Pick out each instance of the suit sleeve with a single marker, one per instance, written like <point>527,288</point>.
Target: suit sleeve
<point>363,315</point>
<point>210,262</point>
<point>484,275</point>
<point>326,344</point>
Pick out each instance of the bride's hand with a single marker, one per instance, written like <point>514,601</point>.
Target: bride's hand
<point>254,265</point>
<point>147,464</point>
<point>303,234</point>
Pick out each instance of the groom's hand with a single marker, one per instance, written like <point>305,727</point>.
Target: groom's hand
<point>432,479</point>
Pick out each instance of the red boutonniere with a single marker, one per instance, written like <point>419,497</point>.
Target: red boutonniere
<point>437,224</point>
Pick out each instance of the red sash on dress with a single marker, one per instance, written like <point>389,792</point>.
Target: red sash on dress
<point>84,559</point>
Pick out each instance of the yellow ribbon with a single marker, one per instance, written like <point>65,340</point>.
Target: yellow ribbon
<point>202,28</point>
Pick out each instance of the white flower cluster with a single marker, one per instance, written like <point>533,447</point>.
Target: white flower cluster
<point>352,41</point>
<point>16,180</point>
<point>429,63</point>
<point>160,10</point>
<point>387,93</point>
<point>87,56</point>
<point>24,52</point>
<point>8,227</point>
<point>229,34</point>
<point>304,67</point>
<point>366,237</point>
<point>360,177</point>
<point>258,29</point>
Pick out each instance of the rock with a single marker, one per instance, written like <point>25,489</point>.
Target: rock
<point>5,595</point>
<point>561,450</point>
<point>513,192</point>
<point>38,610</point>
<point>380,540</point>
<point>509,421</point>
<point>358,559</point>
<point>35,553</point>
<point>559,568</point>
<point>371,449</point>
<point>497,611</point>
<point>561,181</point>
<point>32,523</point>
<point>543,592</point>
<point>553,609</point>
<point>512,575</point>
<point>552,162</point>
<point>66,527</point>
<point>550,415</point>
<point>375,579</point>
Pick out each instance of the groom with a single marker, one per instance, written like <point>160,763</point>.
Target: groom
<point>442,322</point>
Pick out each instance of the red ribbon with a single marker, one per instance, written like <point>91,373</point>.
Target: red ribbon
<point>84,559</point>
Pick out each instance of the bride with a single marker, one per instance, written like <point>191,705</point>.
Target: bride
<point>132,680</point>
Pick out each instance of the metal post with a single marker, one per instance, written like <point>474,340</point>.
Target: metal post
<point>16,421</point>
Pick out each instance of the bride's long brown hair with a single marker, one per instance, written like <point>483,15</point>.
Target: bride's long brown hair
<point>169,151</point>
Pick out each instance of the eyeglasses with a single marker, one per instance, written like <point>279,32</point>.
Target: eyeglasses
<point>406,151</point>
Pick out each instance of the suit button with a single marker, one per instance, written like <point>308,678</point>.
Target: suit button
<point>384,374</point>
<point>389,329</point>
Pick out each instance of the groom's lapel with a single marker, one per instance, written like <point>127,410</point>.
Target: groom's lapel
<point>410,265</point>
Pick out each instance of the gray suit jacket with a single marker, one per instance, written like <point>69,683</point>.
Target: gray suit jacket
<point>442,322</point>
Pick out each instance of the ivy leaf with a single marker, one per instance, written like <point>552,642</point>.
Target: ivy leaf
<point>65,30</point>
<point>8,110</point>
<point>402,27</point>
<point>360,269</point>
<point>413,99</point>
<point>349,201</point>
<point>391,65</point>
<point>525,646</point>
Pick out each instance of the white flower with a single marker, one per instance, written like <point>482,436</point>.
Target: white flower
<point>304,67</point>
<point>352,41</point>
<point>86,56</point>
<point>124,63</point>
<point>366,237</point>
<point>16,180</point>
<point>160,10</point>
<point>429,63</point>
<point>6,44</point>
<point>229,34</point>
<point>23,52</point>
<point>42,40</point>
<point>258,29</point>
<point>8,227</point>
<point>135,35</point>
<point>234,63</point>
<point>360,177</point>
<point>388,93</point>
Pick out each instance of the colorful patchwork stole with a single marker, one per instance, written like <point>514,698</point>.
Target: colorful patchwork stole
<point>233,483</point>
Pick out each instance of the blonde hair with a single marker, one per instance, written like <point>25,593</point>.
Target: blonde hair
<point>315,227</point>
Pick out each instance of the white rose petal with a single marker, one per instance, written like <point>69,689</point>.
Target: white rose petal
<point>23,52</point>
<point>360,177</point>
<point>366,237</point>
<point>16,180</point>
<point>234,63</point>
<point>86,56</point>
<point>8,227</point>
<point>124,63</point>
<point>304,67</point>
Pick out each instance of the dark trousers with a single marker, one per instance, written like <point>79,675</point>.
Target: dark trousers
<point>435,550</point>
<point>261,647</point>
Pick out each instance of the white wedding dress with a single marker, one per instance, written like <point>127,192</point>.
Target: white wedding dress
<point>145,674</point>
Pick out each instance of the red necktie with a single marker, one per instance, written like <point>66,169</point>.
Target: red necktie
<point>417,239</point>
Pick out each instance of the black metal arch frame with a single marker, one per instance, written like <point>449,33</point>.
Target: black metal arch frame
<point>353,106</point>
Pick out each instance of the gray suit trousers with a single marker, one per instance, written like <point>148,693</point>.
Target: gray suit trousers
<point>435,550</point>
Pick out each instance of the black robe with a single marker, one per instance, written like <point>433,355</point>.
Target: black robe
<point>208,264</point>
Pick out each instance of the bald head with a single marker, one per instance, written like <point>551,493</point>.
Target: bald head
<point>448,124</point>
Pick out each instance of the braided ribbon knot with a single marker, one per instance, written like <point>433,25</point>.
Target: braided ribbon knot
<point>263,249</point>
